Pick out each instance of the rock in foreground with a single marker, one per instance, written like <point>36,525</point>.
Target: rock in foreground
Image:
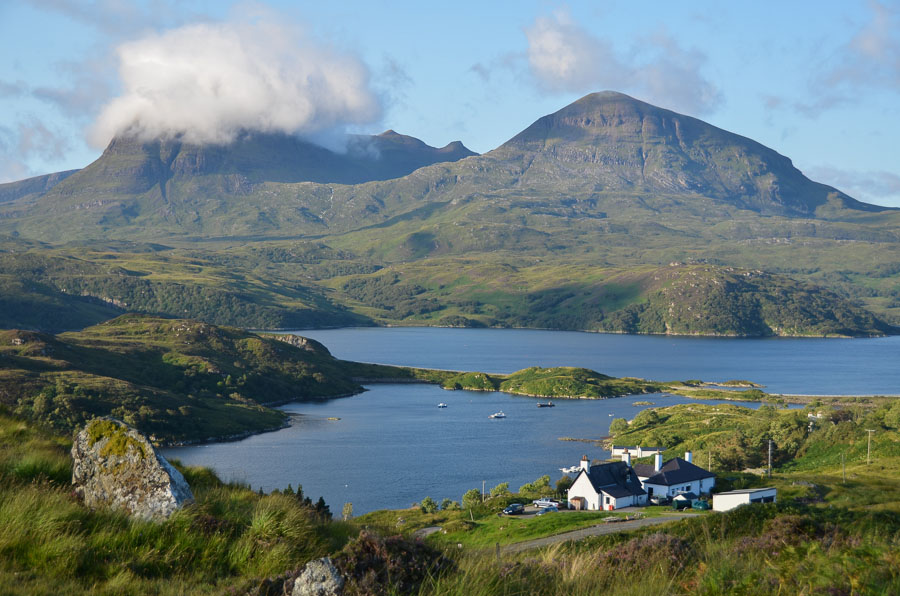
<point>116,466</point>
<point>319,578</point>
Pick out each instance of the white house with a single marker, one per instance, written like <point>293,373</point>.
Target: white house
<point>607,486</point>
<point>735,498</point>
<point>676,477</point>
<point>635,451</point>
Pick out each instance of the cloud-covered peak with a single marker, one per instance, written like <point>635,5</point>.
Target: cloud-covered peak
<point>207,83</point>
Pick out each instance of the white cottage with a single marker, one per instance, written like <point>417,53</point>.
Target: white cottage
<point>676,477</point>
<point>607,486</point>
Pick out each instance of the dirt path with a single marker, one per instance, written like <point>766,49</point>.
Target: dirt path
<point>605,528</point>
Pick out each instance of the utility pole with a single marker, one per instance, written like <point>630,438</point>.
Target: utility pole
<point>770,458</point>
<point>869,447</point>
<point>482,491</point>
<point>843,470</point>
<point>709,465</point>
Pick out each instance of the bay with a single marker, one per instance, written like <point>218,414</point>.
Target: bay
<point>832,366</point>
<point>392,446</point>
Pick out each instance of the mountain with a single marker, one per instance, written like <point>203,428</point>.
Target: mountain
<point>37,185</point>
<point>272,230</point>
<point>611,142</point>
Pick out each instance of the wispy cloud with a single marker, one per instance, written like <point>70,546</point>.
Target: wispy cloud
<point>27,139</point>
<point>869,60</point>
<point>875,186</point>
<point>563,56</point>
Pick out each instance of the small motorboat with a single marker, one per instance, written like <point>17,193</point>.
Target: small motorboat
<point>442,405</point>
<point>499,414</point>
<point>549,404</point>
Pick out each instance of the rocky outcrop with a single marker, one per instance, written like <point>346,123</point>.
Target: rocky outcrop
<point>116,466</point>
<point>304,343</point>
<point>319,578</point>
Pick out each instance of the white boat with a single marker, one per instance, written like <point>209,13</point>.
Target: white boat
<point>442,405</point>
<point>570,470</point>
<point>499,414</point>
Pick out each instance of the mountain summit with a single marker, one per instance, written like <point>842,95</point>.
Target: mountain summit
<point>612,142</point>
<point>602,158</point>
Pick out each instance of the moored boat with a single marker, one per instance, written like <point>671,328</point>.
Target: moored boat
<point>499,414</point>
<point>549,404</point>
<point>442,405</point>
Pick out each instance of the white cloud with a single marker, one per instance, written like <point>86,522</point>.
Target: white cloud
<point>564,57</point>
<point>210,82</point>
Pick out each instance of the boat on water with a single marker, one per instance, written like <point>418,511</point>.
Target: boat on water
<point>549,404</point>
<point>442,405</point>
<point>570,470</point>
<point>499,414</point>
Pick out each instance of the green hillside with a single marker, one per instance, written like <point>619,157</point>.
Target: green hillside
<point>175,379</point>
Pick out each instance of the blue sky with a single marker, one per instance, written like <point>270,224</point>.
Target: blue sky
<point>816,81</point>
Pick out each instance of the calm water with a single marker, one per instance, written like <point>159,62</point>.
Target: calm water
<point>784,365</point>
<point>392,445</point>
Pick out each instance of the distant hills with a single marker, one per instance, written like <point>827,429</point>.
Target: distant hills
<point>277,231</point>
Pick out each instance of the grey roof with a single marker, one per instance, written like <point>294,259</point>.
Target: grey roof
<point>745,491</point>
<point>685,496</point>
<point>620,491</point>
<point>616,479</point>
<point>644,470</point>
<point>675,471</point>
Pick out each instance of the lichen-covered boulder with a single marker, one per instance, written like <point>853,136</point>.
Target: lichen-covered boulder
<point>116,466</point>
<point>319,578</point>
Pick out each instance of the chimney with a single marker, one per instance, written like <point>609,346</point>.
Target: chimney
<point>585,464</point>
<point>688,457</point>
<point>657,462</point>
<point>626,457</point>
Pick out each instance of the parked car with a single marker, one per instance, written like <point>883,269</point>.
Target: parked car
<point>549,509</point>
<point>514,509</point>
<point>546,502</point>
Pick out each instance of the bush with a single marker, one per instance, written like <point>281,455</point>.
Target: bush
<point>428,505</point>
<point>395,565</point>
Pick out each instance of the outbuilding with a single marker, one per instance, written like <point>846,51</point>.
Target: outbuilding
<point>735,498</point>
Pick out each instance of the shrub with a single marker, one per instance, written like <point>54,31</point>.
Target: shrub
<point>374,565</point>
<point>428,505</point>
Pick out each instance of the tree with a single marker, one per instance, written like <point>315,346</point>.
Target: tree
<point>428,505</point>
<point>618,425</point>
<point>472,498</point>
<point>323,511</point>
<point>563,484</point>
<point>347,511</point>
<point>501,490</point>
<point>538,488</point>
